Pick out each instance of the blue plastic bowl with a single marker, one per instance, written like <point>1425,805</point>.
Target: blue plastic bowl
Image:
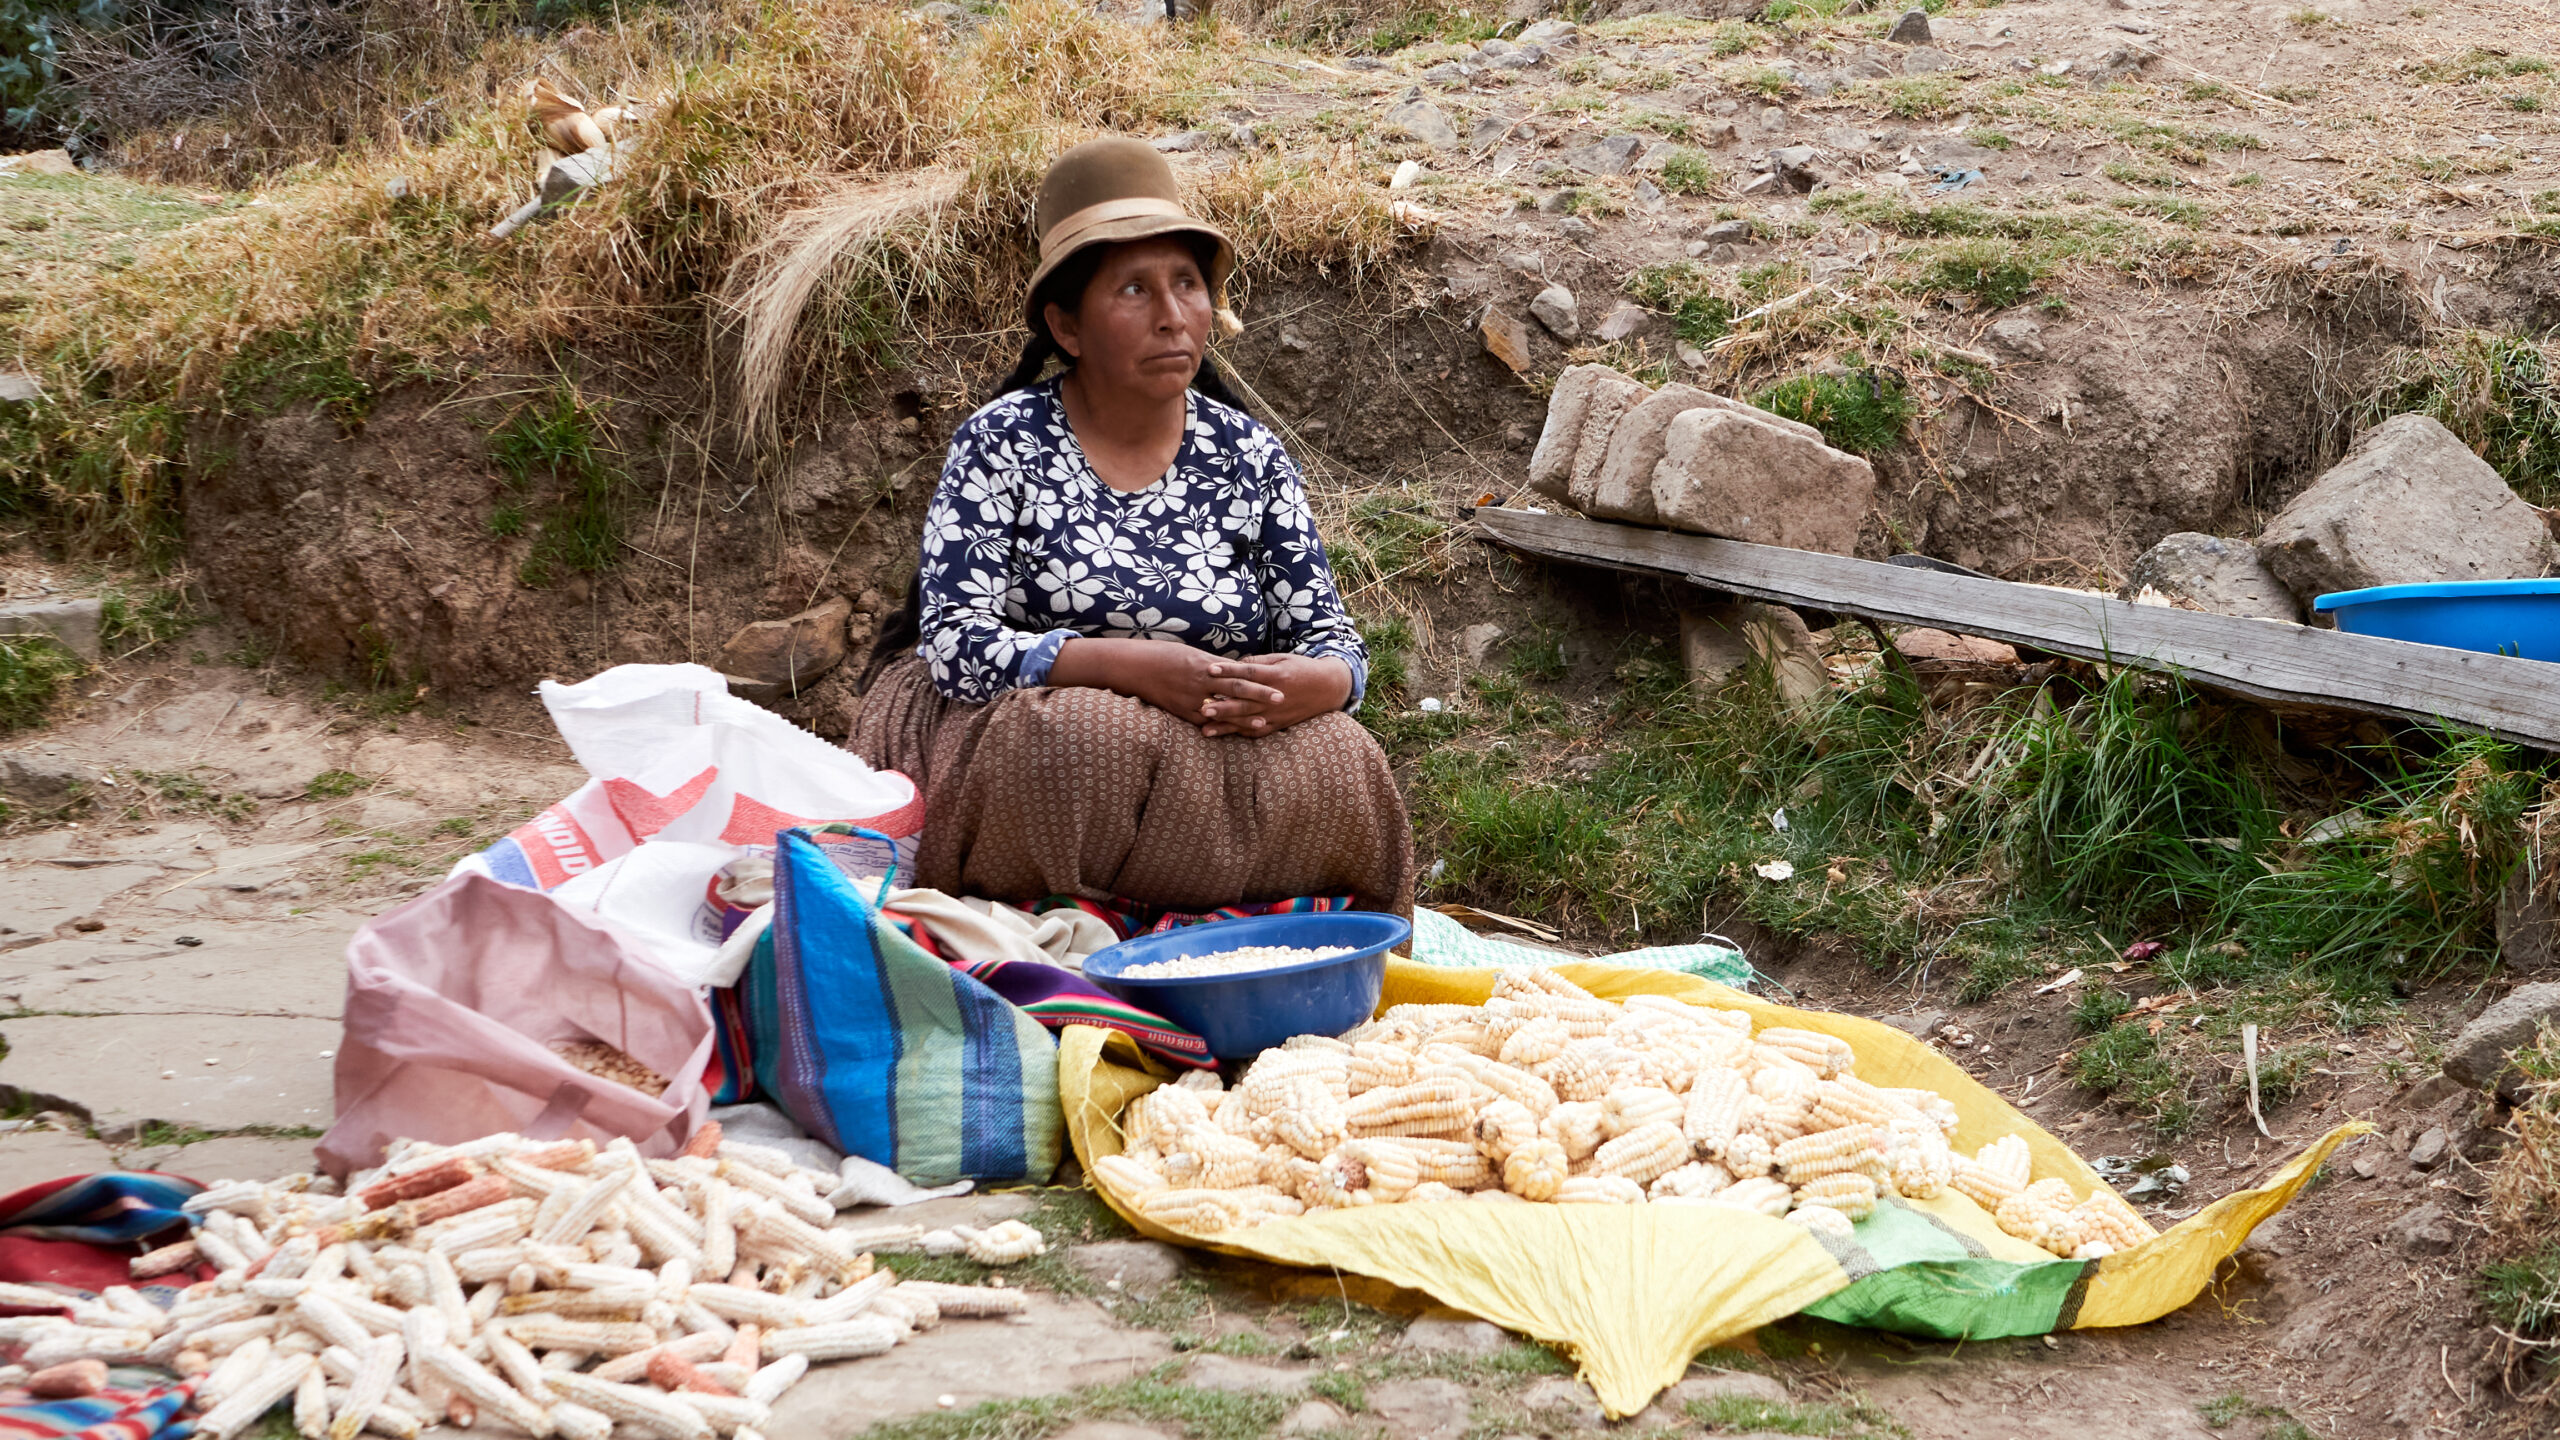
<point>2497,617</point>
<point>1243,1015</point>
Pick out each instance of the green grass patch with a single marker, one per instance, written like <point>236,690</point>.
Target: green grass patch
<point>1998,273</point>
<point>1863,413</point>
<point>1687,172</point>
<point>1156,1399</point>
<point>1392,532</point>
<point>560,442</point>
<point>1989,139</point>
<point>1421,26</point>
<point>335,784</point>
<point>2497,393</point>
<point>1687,293</point>
<point>1736,1412</point>
<point>2523,1294</point>
<point>1919,97</point>
<point>33,672</point>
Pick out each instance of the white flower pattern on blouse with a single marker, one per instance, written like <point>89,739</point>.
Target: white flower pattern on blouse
<point>1025,547</point>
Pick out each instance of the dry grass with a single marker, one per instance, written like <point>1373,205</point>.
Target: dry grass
<point>773,211</point>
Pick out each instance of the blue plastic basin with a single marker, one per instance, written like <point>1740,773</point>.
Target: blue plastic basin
<point>1243,1015</point>
<point>2498,617</point>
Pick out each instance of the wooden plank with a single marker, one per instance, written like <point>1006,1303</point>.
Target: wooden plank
<point>2516,699</point>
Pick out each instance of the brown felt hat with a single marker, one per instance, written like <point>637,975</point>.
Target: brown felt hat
<point>1105,192</point>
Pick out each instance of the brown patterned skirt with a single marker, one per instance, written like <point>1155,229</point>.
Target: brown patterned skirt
<point>1075,791</point>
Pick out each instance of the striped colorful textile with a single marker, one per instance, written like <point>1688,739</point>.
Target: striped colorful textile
<point>879,1049</point>
<point>116,1208</point>
<point>1058,998</point>
<point>116,1413</point>
<point>1128,919</point>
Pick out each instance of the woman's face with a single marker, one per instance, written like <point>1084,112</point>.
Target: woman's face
<point>1144,321</point>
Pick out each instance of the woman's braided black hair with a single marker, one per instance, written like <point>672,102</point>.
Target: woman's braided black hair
<point>1064,287</point>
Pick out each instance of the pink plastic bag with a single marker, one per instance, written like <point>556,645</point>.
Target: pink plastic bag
<point>454,1002</point>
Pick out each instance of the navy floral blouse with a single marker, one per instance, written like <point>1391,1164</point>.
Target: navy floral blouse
<point>1025,548</point>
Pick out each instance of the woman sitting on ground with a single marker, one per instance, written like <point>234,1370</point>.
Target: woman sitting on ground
<point>1131,673</point>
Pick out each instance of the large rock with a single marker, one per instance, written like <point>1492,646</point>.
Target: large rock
<point>1556,309</point>
<point>30,777</point>
<point>2207,572</point>
<point>1724,472</point>
<point>787,656</point>
<point>1582,414</point>
<point>73,624</point>
<point>1622,489</point>
<point>1421,1409</point>
<point>2409,505</point>
<point>1424,122</point>
<point>2478,1056</point>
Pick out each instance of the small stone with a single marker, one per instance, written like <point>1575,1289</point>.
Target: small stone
<point>2426,1230</point>
<point>1911,29</point>
<point>17,387</point>
<point>1734,232</point>
<point>72,624</point>
<point>1525,57</point>
<point>2213,574</point>
<point>1611,156</point>
<point>1421,1409</point>
<point>31,778</point>
<point>1315,1417</point>
<point>2020,335</point>
<point>2430,1150</point>
<point>1550,32</point>
<point>1142,1267</point>
<point>1488,131</point>
<point>1556,309</point>
<point>2364,1167</point>
<point>1622,322</point>
<point>1441,1335</point>
<point>2479,1054</point>
<point>1476,642</point>
<point>1226,1373</point>
<point>1575,229</point>
<point>1183,143</point>
<point>40,162</point>
<point>1648,196</point>
<point>1672,1407</point>
<point>1364,62</point>
<point>396,188</point>
<point>1506,339</point>
<point>1922,1024</point>
<point>1451,74</point>
<point>789,655</point>
<point>1424,122</point>
<point>1558,1394</point>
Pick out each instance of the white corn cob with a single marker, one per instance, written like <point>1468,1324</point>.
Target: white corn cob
<point>582,1211</point>
<point>1006,1242</point>
<point>498,1224</point>
<point>799,1203</point>
<point>1760,1194</point>
<point>444,1290</point>
<point>1823,1220</point>
<point>1125,1176</point>
<point>577,1422</point>
<point>1633,1106</point>
<point>237,1370</point>
<point>380,1366</point>
<point>1599,1190</point>
<point>311,1402</point>
<point>863,1335</point>
<point>736,1303</point>
<point>255,1396</point>
<point>727,1414</point>
<point>328,1319</point>
<point>419,1330</point>
<point>491,1395</point>
<point>719,1236</point>
<point>637,1405</point>
<point>767,1384</point>
<point>517,1364</point>
<point>549,1332</point>
<point>1642,1154</point>
<point>853,1299</point>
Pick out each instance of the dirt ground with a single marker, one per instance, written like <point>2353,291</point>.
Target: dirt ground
<point>360,717</point>
<point>172,969</point>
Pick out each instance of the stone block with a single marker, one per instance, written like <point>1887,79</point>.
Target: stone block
<point>1225,1372</point>
<point>2409,505</point>
<point>73,623</point>
<point>2426,1230</point>
<point>2208,572</point>
<point>1622,488</point>
<point>1454,1335</point>
<point>1142,1267</point>
<point>1506,340</point>
<point>1424,122</point>
<point>1672,1406</point>
<point>1421,1409</point>
<point>1723,472</point>
<point>787,656</point>
<point>1582,414</point>
<point>2478,1055</point>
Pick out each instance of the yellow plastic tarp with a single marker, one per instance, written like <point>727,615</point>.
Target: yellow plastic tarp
<point>1633,1292</point>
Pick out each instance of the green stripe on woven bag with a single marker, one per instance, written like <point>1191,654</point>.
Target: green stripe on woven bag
<point>934,1107</point>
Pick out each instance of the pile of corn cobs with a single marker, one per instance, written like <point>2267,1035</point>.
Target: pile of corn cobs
<point>552,1288</point>
<point>1548,1093</point>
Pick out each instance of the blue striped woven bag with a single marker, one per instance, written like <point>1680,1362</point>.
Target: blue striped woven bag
<point>881,1050</point>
